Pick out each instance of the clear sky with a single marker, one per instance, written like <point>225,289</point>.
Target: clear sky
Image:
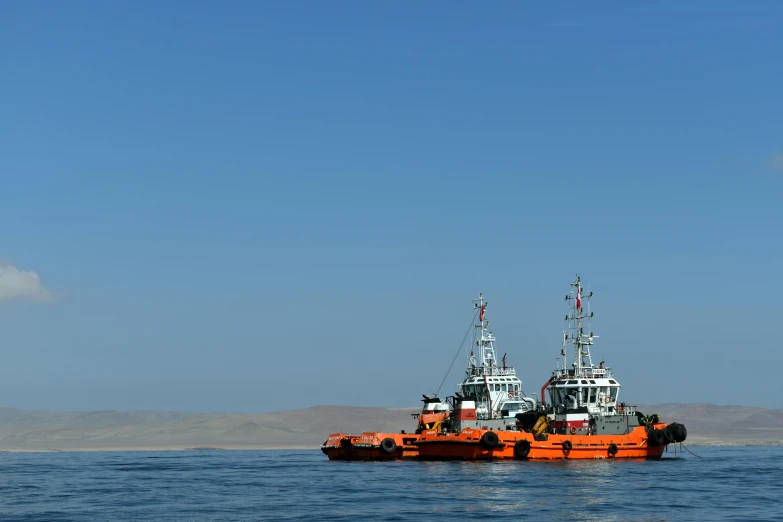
<point>256,206</point>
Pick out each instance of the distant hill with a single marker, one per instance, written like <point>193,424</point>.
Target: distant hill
<point>22,430</point>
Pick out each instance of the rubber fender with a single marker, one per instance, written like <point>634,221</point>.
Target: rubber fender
<point>613,449</point>
<point>656,438</point>
<point>489,440</point>
<point>683,433</point>
<point>567,445</point>
<point>668,433</point>
<point>679,433</point>
<point>522,449</point>
<point>388,445</point>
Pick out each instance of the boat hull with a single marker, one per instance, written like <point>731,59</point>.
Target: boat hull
<point>469,445</point>
<point>371,445</point>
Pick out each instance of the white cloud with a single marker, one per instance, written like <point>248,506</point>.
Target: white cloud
<point>16,283</point>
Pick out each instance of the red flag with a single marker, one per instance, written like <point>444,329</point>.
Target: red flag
<point>578,297</point>
<point>481,313</point>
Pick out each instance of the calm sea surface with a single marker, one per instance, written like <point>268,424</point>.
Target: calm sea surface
<point>725,484</point>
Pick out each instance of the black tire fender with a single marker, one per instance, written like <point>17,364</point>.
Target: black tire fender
<point>612,449</point>
<point>567,445</point>
<point>522,449</point>
<point>489,440</point>
<point>678,431</point>
<point>656,438</point>
<point>388,445</point>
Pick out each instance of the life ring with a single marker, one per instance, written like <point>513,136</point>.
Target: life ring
<point>607,399</point>
<point>573,430</point>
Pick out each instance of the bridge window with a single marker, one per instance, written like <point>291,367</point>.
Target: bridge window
<point>592,395</point>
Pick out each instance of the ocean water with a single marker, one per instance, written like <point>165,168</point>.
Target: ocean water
<point>728,483</point>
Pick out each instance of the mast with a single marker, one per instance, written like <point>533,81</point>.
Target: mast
<point>575,330</point>
<point>485,342</point>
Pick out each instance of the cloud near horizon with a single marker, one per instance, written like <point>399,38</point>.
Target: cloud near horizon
<point>15,283</point>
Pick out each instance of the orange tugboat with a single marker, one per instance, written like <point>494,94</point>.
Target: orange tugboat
<point>492,418</point>
<point>491,398</point>
<point>375,445</point>
<point>584,420</point>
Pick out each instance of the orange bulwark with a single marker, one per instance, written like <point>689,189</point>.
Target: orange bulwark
<point>371,445</point>
<point>339,446</point>
<point>477,444</point>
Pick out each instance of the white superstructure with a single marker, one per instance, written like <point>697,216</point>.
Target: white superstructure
<point>492,385</point>
<point>580,392</point>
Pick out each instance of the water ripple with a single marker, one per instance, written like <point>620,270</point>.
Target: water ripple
<point>727,484</point>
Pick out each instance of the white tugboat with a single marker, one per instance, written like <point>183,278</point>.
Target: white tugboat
<point>585,397</point>
<point>491,394</point>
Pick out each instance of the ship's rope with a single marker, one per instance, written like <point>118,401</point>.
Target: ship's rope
<point>689,451</point>
<point>458,350</point>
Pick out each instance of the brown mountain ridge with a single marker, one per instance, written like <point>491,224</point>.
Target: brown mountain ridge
<point>25,430</point>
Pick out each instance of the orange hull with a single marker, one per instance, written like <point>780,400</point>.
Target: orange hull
<point>371,445</point>
<point>339,446</point>
<point>467,445</point>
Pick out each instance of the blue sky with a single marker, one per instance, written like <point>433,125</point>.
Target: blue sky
<point>258,206</point>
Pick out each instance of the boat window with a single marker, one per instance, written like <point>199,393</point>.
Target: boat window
<point>614,393</point>
<point>584,395</point>
<point>584,382</point>
<point>573,382</point>
<point>592,395</point>
<point>611,381</point>
<point>571,397</point>
<point>592,381</point>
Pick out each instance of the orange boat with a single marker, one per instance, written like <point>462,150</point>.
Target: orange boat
<point>495,382</point>
<point>375,445</point>
<point>585,419</point>
<point>472,444</point>
<point>492,418</point>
